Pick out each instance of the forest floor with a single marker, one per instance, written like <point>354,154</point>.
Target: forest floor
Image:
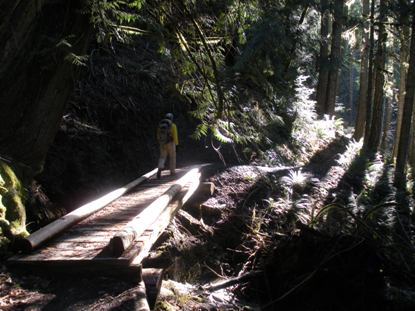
<point>269,238</point>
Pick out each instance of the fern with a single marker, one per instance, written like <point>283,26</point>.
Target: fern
<point>77,60</point>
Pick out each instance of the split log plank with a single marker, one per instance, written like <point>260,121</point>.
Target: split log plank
<point>70,249</point>
<point>44,234</point>
<point>137,226</point>
<point>151,236</point>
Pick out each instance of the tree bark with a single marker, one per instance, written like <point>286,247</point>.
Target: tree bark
<point>386,125</point>
<point>335,56</point>
<point>380,60</point>
<point>323,75</point>
<point>351,86</point>
<point>403,64</point>
<point>402,155</point>
<point>370,77</point>
<point>361,110</point>
<point>33,101</point>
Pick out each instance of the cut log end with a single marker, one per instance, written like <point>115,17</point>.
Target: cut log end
<point>120,243</point>
<point>207,188</point>
<point>24,245</point>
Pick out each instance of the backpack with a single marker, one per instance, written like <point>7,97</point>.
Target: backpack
<point>164,131</point>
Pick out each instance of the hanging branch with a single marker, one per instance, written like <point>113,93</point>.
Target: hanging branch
<point>194,61</point>
<point>202,37</point>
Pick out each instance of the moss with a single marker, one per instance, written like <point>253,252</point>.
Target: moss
<point>164,306</point>
<point>12,209</point>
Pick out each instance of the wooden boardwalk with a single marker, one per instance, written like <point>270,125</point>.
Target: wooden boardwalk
<point>137,219</point>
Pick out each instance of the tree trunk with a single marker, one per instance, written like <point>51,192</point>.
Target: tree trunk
<point>386,125</point>
<point>370,77</point>
<point>335,56</point>
<point>361,110</point>
<point>412,145</point>
<point>380,60</point>
<point>37,39</point>
<point>402,155</point>
<point>351,86</point>
<point>403,63</point>
<point>323,75</point>
<point>34,100</point>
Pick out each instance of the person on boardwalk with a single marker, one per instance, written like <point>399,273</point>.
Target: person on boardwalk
<point>168,139</point>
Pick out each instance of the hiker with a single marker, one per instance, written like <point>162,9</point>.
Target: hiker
<point>168,140</point>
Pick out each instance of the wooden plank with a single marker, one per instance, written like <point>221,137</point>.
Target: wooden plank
<point>136,227</point>
<point>85,245</point>
<point>152,279</point>
<point>105,266</point>
<point>48,256</point>
<point>95,230</point>
<point>150,236</point>
<point>83,239</point>
<point>57,266</point>
<point>40,236</point>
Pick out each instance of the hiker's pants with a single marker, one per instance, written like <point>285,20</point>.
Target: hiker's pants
<point>168,150</point>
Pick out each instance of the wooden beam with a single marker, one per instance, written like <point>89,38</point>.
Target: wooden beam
<point>206,188</point>
<point>123,240</point>
<point>152,278</point>
<point>59,225</point>
<point>162,222</point>
<point>140,303</point>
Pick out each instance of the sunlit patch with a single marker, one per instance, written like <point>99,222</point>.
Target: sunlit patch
<point>295,180</point>
<point>352,149</point>
<point>374,171</point>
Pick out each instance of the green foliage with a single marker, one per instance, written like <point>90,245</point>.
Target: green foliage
<point>235,59</point>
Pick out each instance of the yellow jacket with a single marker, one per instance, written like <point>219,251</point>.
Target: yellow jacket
<point>174,133</point>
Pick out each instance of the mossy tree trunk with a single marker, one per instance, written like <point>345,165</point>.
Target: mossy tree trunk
<point>39,41</point>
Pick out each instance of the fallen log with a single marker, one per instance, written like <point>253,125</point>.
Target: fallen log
<point>193,225</point>
<point>59,225</point>
<point>124,239</point>
<point>232,281</point>
<point>134,298</point>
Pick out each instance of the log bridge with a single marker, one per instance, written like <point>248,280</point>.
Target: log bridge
<point>113,234</point>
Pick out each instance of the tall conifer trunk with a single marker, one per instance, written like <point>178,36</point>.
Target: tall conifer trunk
<point>361,110</point>
<point>351,86</point>
<point>369,94</point>
<point>380,60</point>
<point>404,38</point>
<point>335,56</point>
<point>324,58</point>
<point>403,146</point>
